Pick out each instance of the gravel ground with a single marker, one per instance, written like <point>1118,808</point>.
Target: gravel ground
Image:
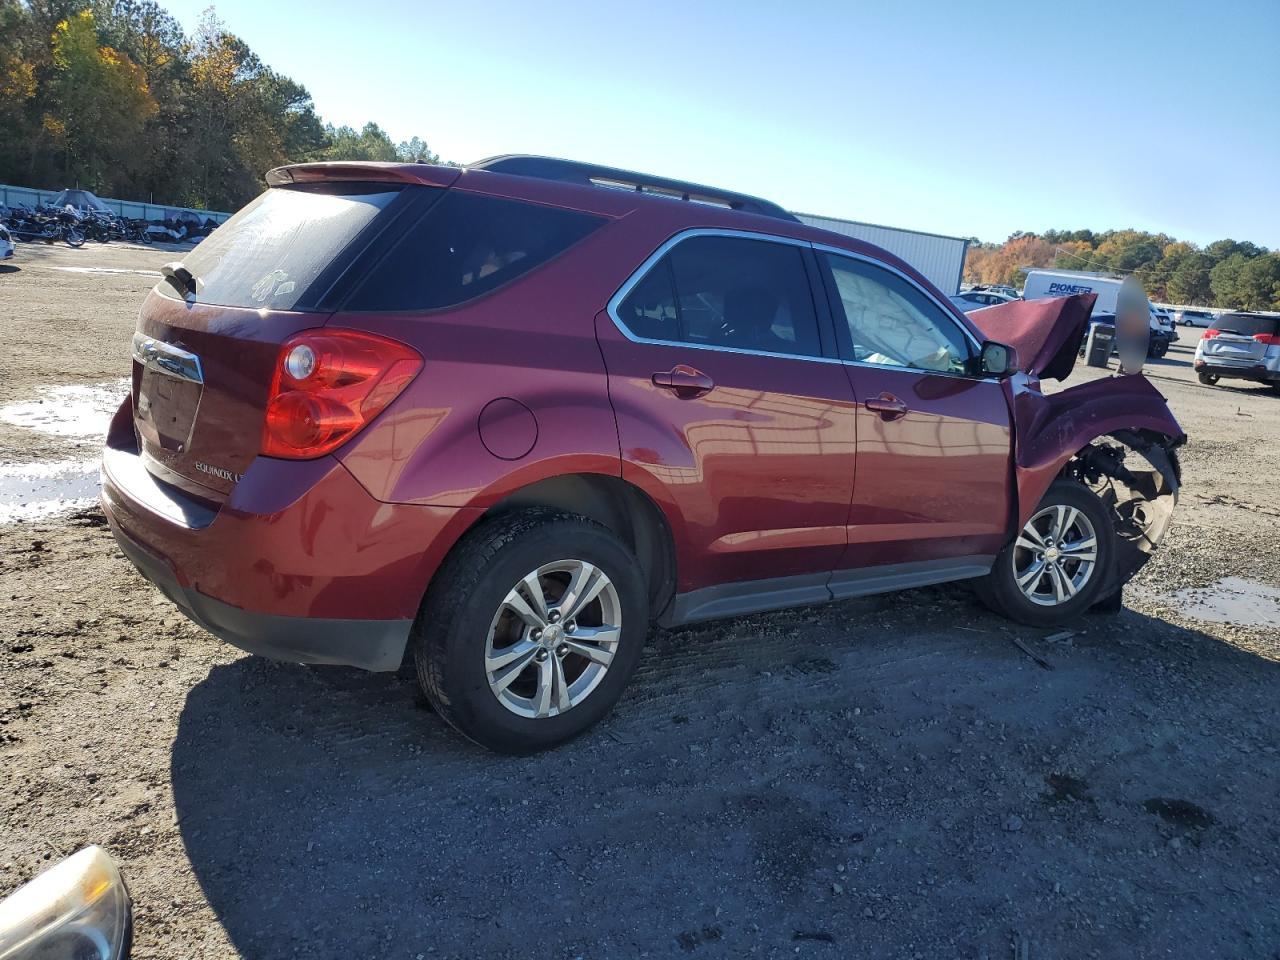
<point>892,777</point>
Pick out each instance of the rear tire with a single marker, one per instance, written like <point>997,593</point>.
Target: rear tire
<point>1058,565</point>
<point>516,673</point>
<point>1208,379</point>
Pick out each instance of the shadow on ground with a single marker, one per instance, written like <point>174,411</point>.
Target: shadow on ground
<point>860,778</point>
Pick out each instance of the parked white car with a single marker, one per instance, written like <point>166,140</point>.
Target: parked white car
<point>6,243</point>
<point>1241,346</point>
<point>1164,319</point>
<point>976,299</point>
<point>1194,318</point>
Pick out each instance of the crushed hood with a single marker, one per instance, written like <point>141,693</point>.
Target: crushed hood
<point>1045,333</point>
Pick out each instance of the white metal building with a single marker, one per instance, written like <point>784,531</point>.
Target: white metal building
<point>939,258</point>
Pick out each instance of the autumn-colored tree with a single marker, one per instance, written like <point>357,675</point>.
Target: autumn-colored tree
<point>76,76</point>
<point>98,102</point>
<point>1226,273</point>
<point>1008,263</point>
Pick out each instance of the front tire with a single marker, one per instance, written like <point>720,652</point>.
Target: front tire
<point>531,630</point>
<point>1060,562</point>
<point>1208,379</point>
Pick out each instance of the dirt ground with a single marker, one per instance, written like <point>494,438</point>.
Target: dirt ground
<point>890,777</point>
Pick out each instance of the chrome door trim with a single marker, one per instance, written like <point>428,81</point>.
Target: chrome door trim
<point>671,242</point>
<point>643,270</point>
<point>880,264</point>
<point>167,359</point>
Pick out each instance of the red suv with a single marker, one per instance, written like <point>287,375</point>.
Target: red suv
<point>510,415</point>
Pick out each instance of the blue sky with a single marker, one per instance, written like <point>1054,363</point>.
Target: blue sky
<point>971,119</point>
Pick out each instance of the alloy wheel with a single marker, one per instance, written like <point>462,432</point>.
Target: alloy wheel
<point>1055,555</point>
<point>553,638</point>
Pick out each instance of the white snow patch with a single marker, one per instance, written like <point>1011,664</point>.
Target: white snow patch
<point>78,413</point>
<point>35,491</point>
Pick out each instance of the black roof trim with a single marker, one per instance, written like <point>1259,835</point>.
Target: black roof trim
<point>589,174</point>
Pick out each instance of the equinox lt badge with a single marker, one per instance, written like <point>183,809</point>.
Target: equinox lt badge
<point>221,473</point>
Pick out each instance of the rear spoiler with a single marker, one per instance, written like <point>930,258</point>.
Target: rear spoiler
<point>364,171</point>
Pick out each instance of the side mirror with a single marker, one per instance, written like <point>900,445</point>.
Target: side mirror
<point>997,360</point>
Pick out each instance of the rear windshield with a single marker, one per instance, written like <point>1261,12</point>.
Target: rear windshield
<point>467,245</point>
<point>271,252</point>
<point>1248,324</point>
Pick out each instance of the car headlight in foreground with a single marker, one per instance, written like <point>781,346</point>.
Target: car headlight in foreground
<point>78,909</point>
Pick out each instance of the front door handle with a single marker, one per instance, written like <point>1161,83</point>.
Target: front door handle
<point>687,383</point>
<point>887,405</point>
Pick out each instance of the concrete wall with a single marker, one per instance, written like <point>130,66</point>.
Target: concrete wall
<point>939,258</point>
<point>133,209</point>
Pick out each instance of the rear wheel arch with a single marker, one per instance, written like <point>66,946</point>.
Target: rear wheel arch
<point>617,505</point>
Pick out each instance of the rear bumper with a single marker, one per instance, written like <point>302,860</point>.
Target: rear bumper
<point>1257,372</point>
<point>300,563</point>
<point>368,644</point>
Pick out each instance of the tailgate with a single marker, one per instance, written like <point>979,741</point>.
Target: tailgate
<point>1228,347</point>
<point>1241,338</point>
<point>201,375</point>
<point>209,335</point>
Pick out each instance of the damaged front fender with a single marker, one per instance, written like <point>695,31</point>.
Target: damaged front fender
<point>1088,432</point>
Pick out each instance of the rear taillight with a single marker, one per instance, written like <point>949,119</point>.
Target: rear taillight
<point>328,385</point>
<point>1270,339</point>
<point>1209,334</point>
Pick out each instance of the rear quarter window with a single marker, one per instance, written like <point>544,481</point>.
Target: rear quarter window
<point>273,250</point>
<point>464,246</point>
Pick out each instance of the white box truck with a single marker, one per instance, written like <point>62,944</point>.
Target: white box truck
<point>1042,284</point>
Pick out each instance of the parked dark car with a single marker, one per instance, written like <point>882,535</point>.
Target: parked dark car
<point>508,416</point>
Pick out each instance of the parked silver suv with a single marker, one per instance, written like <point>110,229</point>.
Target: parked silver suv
<point>1241,346</point>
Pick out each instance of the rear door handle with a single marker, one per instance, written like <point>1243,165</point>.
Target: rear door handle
<point>887,405</point>
<point>687,383</point>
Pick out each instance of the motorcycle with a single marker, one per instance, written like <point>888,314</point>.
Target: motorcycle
<point>48,225</point>
<point>102,227</point>
<point>135,231</point>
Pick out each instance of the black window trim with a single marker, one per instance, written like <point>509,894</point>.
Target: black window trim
<point>342,292</point>
<point>821,309</point>
<point>837,313</point>
<point>342,278</point>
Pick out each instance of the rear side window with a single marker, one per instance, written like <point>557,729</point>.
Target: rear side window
<point>271,252</point>
<point>465,246</point>
<point>727,292</point>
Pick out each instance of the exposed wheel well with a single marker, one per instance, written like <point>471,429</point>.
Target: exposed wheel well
<point>620,506</point>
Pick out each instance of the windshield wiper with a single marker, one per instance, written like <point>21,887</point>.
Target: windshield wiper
<point>182,279</point>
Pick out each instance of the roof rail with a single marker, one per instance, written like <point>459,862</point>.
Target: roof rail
<point>590,174</point>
